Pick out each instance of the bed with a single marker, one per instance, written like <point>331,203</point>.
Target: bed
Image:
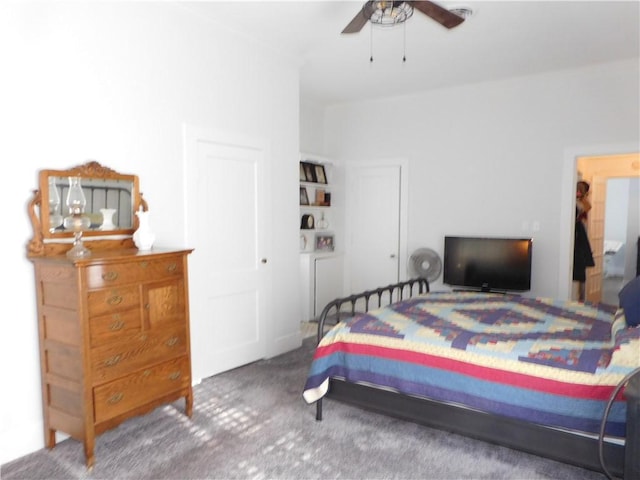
<point>535,374</point>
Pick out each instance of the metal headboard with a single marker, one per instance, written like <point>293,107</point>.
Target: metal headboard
<point>362,302</point>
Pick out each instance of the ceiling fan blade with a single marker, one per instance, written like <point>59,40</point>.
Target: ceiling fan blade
<point>438,13</point>
<point>359,21</point>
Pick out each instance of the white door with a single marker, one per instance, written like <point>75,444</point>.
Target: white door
<point>228,269</point>
<point>375,224</point>
<point>595,231</point>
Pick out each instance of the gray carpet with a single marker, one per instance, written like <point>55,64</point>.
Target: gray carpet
<point>252,423</point>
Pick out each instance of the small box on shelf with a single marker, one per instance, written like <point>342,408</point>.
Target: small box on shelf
<point>323,198</point>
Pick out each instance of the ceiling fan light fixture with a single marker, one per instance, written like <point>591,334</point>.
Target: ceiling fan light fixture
<point>387,14</point>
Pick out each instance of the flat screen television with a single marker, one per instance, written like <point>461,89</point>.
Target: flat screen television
<point>488,264</point>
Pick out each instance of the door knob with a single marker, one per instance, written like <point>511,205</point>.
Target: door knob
<point>263,260</point>
<point>393,255</point>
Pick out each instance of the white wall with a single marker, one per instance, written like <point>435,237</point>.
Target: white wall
<point>115,82</point>
<point>489,159</point>
<point>311,128</point>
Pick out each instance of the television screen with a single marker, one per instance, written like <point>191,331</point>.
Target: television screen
<point>488,264</point>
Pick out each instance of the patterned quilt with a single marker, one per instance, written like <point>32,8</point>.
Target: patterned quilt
<point>542,360</point>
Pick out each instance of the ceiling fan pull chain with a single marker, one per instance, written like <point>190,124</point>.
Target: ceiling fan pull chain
<point>371,45</point>
<point>404,45</point>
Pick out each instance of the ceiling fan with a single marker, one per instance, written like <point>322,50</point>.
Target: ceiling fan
<point>389,13</point>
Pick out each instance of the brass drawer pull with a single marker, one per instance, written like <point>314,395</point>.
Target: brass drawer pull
<point>116,325</point>
<point>110,276</point>
<point>112,361</point>
<point>115,300</point>
<point>115,398</point>
<point>175,376</point>
<point>172,267</point>
<point>172,341</point>
<point>146,373</point>
<point>144,264</point>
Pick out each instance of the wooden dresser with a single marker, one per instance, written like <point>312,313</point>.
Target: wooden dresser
<point>114,339</point>
<point>113,321</point>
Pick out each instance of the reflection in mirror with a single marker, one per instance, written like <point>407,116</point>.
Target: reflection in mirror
<point>109,203</point>
<point>55,217</point>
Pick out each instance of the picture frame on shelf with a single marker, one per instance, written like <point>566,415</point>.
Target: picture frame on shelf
<point>303,175</point>
<point>324,242</point>
<point>320,197</point>
<point>304,198</point>
<point>309,172</point>
<point>320,174</point>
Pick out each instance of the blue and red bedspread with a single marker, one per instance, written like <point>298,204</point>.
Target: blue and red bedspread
<point>541,360</point>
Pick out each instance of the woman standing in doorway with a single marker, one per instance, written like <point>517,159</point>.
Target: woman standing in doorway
<point>582,254</point>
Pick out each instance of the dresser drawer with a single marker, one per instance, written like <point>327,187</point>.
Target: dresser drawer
<point>112,300</point>
<point>136,352</point>
<point>140,388</point>
<point>100,276</point>
<point>105,329</point>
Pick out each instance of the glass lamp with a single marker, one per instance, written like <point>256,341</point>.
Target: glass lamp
<point>55,219</point>
<point>76,221</point>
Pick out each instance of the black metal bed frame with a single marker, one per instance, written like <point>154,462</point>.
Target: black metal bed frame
<point>560,445</point>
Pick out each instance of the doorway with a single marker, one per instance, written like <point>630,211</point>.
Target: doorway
<point>598,171</point>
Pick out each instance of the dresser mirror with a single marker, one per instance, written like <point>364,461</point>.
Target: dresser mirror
<point>110,200</point>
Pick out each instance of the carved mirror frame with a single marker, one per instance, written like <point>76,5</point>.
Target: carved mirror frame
<point>55,239</point>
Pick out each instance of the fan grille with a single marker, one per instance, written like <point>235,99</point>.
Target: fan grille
<point>425,263</point>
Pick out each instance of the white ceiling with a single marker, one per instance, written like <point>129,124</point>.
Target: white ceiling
<point>502,39</point>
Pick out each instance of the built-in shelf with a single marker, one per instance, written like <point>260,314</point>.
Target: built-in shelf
<point>321,262</point>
